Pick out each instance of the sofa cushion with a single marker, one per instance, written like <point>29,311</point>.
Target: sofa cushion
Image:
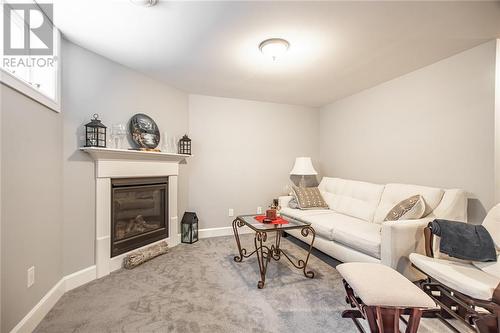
<point>353,198</point>
<point>303,214</point>
<point>465,278</point>
<point>362,236</point>
<point>394,193</point>
<point>347,230</point>
<point>322,227</point>
<point>326,225</point>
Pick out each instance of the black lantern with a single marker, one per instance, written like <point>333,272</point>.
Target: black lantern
<point>185,145</point>
<point>189,228</point>
<point>95,133</point>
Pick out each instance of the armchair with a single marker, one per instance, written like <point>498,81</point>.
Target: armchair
<point>464,290</point>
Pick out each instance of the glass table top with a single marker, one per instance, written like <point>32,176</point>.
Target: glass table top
<point>252,223</point>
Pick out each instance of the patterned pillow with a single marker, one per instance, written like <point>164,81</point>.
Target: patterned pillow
<point>293,203</point>
<point>408,209</point>
<point>309,198</point>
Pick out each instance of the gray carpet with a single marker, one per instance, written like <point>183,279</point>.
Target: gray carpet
<point>199,288</point>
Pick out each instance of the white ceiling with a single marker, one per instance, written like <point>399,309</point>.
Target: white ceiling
<point>337,48</point>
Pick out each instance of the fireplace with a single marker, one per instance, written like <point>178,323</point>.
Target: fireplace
<point>139,212</point>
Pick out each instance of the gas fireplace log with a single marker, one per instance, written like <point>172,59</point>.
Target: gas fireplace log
<point>136,258</point>
<point>134,226</point>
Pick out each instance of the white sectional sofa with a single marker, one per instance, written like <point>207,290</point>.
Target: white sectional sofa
<point>353,228</point>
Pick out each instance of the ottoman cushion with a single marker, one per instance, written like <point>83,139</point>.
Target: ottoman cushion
<point>379,285</point>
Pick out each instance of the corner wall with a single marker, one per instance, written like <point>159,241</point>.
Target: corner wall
<point>434,126</point>
<point>94,84</point>
<point>31,166</point>
<point>243,153</point>
<point>1,276</point>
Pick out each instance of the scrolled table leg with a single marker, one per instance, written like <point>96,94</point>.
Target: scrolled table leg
<point>241,251</point>
<point>263,256</point>
<point>305,233</point>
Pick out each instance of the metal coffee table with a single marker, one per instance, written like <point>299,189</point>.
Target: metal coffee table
<point>266,252</point>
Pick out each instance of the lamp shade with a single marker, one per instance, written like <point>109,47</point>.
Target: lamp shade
<point>303,166</point>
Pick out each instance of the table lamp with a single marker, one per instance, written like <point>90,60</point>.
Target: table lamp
<point>303,167</point>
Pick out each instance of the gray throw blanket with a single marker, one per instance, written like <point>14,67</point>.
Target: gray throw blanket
<point>464,241</point>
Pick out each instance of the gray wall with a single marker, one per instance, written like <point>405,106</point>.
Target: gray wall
<point>31,165</point>
<point>1,276</point>
<point>243,153</point>
<point>94,84</point>
<point>434,126</point>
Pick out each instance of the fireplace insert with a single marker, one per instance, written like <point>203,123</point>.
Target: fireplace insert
<point>139,212</point>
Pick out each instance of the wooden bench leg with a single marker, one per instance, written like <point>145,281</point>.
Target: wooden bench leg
<point>414,321</point>
<point>388,319</point>
<point>487,324</point>
<point>380,319</point>
<point>354,315</point>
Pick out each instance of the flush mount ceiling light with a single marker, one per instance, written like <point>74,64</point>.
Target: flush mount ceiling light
<point>145,3</point>
<point>274,47</point>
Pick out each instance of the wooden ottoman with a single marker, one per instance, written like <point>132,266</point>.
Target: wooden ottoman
<point>382,295</point>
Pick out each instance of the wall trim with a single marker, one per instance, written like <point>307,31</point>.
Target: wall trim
<point>86,275</point>
<point>40,310</point>
<point>224,231</point>
<point>35,316</point>
<point>79,278</point>
<point>218,232</point>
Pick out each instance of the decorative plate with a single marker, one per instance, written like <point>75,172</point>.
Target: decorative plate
<point>144,131</point>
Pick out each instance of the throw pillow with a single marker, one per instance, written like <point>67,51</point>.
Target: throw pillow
<point>309,198</point>
<point>293,203</point>
<point>408,209</point>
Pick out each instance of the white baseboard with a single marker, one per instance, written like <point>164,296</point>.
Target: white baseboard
<point>74,280</point>
<point>35,316</point>
<point>217,232</point>
<point>79,278</point>
<point>40,310</point>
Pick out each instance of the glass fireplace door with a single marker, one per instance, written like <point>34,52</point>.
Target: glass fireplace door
<point>139,213</point>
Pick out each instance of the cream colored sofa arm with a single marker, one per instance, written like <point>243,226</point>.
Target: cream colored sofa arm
<point>399,239</point>
<point>284,200</point>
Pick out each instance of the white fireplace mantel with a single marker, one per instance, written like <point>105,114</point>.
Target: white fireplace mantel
<point>123,163</point>
<point>129,154</point>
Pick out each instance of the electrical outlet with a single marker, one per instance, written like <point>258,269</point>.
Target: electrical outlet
<point>259,210</point>
<point>31,276</point>
<point>230,212</point>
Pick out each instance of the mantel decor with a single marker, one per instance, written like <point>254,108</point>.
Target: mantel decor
<point>144,131</point>
<point>185,145</point>
<point>95,133</point>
